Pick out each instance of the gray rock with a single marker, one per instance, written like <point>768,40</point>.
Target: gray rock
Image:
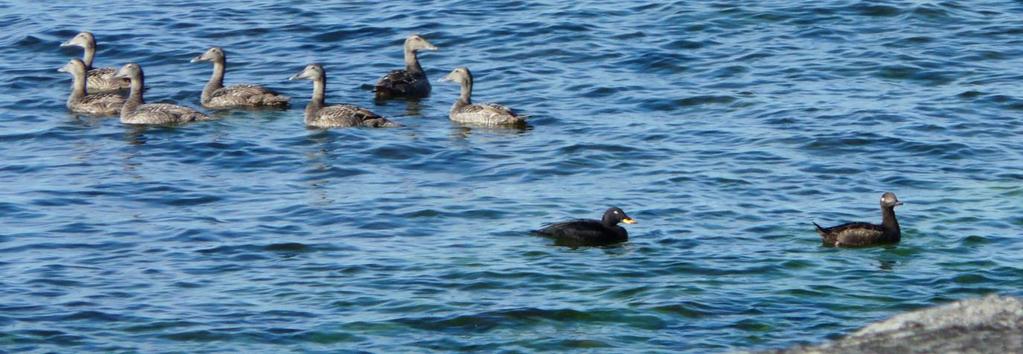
<point>992,324</point>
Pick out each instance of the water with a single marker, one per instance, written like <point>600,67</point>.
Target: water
<point>723,129</point>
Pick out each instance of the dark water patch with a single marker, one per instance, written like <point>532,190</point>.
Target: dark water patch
<point>689,310</point>
<point>904,72</point>
<point>93,316</point>
<point>337,35</point>
<point>700,100</point>
<point>33,336</point>
<point>930,12</point>
<point>320,337</point>
<point>873,10</point>
<point>526,317</point>
<point>287,247</point>
<point>752,326</point>
<point>63,283</point>
<point>656,62</point>
<point>203,336</point>
<point>283,247</point>
<point>108,246</point>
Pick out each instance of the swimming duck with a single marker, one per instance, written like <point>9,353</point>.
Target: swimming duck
<point>216,96</point>
<point>860,234</point>
<point>99,79</point>
<point>80,101</point>
<point>590,232</point>
<point>488,114</point>
<point>410,82</point>
<point>136,111</point>
<point>319,115</point>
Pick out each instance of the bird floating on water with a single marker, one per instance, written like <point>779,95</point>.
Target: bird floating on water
<point>99,79</point>
<point>584,232</point>
<point>410,82</point>
<point>80,101</point>
<point>216,96</point>
<point>319,115</point>
<point>137,111</point>
<point>485,114</point>
<point>861,234</point>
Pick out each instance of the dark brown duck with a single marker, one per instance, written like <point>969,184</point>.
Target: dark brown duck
<point>861,234</point>
<point>410,82</point>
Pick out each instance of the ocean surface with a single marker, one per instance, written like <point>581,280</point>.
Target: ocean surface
<point>723,127</point>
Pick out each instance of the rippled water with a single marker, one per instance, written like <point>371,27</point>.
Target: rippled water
<point>724,129</point>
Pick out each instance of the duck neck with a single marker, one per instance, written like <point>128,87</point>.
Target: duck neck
<point>319,86</point>
<point>90,53</point>
<point>608,221</point>
<point>465,98</point>
<point>134,95</point>
<point>77,87</point>
<point>412,62</point>
<point>317,102</point>
<point>216,80</point>
<point>888,220</point>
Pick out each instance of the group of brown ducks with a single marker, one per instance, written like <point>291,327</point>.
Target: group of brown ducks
<point>95,91</point>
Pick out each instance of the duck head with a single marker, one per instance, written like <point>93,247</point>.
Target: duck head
<point>311,72</point>
<point>458,76</point>
<point>213,54</point>
<point>82,39</point>
<point>74,66</point>
<point>129,71</point>
<point>416,43</point>
<point>613,216</point>
<point>888,200</point>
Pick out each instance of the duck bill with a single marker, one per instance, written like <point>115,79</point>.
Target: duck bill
<point>197,59</point>
<point>67,44</point>
<point>898,203</point>
<point>629,220</point>
<point>298,76</point>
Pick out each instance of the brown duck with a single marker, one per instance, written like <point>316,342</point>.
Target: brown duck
<point>861,234</point>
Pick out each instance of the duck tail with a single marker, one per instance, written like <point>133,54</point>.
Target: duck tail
<point>820,229</point>
<point>276,100</point>
<point>541,233</point>
<point>390,124</point>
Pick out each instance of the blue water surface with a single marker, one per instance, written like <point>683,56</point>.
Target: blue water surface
<point>723,127</point>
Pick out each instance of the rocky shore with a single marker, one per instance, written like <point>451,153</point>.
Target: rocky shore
<point>992,324</point>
